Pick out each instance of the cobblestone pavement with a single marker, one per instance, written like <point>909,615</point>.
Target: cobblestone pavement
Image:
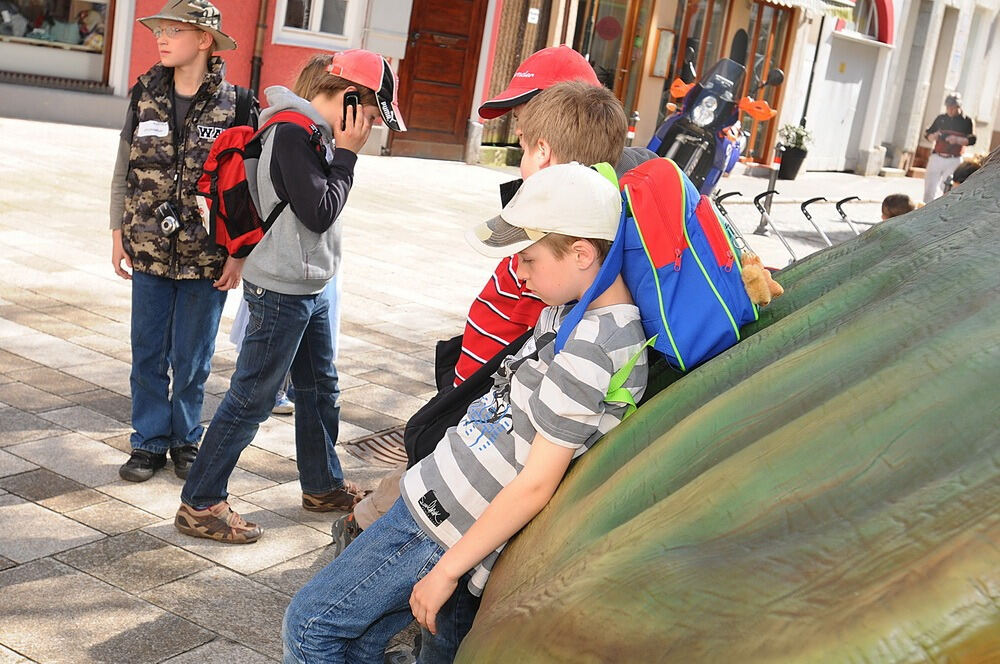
<point>91,568</point>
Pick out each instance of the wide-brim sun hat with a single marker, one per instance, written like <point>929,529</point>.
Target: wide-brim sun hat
<point>201,13</point>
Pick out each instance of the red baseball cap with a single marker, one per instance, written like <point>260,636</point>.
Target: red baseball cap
<point>540,70</point>
<point>372,71</point>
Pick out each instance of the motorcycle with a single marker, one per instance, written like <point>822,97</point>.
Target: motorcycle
<point>703,134</point>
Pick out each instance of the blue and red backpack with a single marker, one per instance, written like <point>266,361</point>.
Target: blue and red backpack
<point>680,264</point>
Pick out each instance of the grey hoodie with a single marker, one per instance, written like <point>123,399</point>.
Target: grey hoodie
<point>301,251</point>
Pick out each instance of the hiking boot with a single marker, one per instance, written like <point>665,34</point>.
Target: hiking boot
<point>339,500</point>
<point>218,522</point>
<point>344,530</point>
<point>141,465</point>
<point>183,456</point>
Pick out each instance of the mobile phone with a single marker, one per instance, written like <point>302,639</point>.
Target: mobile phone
<point>351,99</point>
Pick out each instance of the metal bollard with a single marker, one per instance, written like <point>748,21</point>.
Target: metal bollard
<point>772,180</point>
<point>633,121</point>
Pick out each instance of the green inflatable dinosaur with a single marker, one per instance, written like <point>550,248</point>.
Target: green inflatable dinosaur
<point>828,490</point>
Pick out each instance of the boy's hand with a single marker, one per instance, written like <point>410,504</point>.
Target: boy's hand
<point>232,271</point>
<point>429,595</point>
<point>118,254</point>
<point>357,127</point>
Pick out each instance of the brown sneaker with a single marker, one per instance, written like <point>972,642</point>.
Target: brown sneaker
<point>339,500</point>
<point>218,522</point>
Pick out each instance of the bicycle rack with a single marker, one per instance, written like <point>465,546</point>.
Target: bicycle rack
<point>808,217</point>
<point>765,219</point>
<point>843,215</point>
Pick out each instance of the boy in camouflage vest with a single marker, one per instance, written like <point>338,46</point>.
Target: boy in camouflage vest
<point>179,275</point>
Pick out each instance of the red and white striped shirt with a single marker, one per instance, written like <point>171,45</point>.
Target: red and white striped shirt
<point>502,312</point>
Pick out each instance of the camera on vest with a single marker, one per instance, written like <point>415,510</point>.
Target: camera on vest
<point>166,216</point>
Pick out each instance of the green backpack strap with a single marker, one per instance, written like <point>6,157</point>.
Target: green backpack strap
<point>616,390</point>
<point>608,171</point>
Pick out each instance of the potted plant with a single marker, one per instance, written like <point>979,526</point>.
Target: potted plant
<point>794,139</point>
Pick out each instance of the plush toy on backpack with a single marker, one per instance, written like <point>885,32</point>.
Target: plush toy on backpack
<point>757,280</point>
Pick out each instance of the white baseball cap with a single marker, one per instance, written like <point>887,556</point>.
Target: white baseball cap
<point>569,199</point>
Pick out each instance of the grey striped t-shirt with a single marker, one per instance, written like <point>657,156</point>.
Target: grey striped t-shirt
<point>560,396</point>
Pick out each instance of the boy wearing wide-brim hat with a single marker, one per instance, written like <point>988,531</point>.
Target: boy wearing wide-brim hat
<point>179,276</point>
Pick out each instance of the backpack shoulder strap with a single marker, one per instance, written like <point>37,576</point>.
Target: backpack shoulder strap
<point>244,104</point>
<point>134,107</point>
<point>617,393</point>
<point>608,171</point>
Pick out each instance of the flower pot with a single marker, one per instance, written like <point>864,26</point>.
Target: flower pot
<point>791,162</point>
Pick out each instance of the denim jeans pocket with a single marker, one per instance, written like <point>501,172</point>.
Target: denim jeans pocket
<point>254,296</point>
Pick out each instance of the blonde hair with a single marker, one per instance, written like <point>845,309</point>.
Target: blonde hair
<point>560,245</point>
<point>579,121</point>
<point>314,80</point>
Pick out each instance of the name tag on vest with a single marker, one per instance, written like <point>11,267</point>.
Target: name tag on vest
<point>152,128</point>
<point>209,133</point>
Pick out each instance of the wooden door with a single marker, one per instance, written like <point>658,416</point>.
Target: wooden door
<point>437,76</point>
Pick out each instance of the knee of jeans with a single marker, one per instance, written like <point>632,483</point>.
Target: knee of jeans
<point>292,627</point>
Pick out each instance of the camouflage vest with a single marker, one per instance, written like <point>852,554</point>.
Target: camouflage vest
<point>165,165</point>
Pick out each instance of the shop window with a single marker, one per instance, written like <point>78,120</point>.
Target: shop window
<point>331,24</point>
<point>67,24</point>
<point>68,40</point>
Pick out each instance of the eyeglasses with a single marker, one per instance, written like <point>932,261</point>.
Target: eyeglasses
<point>171,31</point>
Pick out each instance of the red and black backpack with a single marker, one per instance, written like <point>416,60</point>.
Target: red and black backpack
<point>233,219</point>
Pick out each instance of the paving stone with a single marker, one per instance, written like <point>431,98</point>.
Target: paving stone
<point>74,456</point>
<point>54,613</point>
<point>48,350</point>
<point>408,386</point>
<point>122,443</point>
<point>102,344</point>
<point>366,418</point>
<point>286,500</point>
<point>19,426</point>
<point>10,657</point>
<point>109,373</point>
<point>28,531</point>
<point>389,341</point>
<point>216,384</point>
<point>88,422</point>
<point>276,435</point>
<point>51,380</point>
<point>283,539</point>
<point>13,465</point>
<point>204,598</point>
<point>107,403</point>
<point>6,563</point>
<point>46,324</point>
<point>111,516</point>
<point>220,651</point>
<point>268,464</point>
<point>57,493</point>
<point>29,398</point>
<point>77,315</point>
<point>289,577</point>
<point>160,495</point>
<point>134,562</point>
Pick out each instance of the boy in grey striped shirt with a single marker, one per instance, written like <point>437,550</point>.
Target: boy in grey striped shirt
<point>500,466</point>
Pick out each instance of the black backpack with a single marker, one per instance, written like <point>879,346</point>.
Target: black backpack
<point>425,429</point>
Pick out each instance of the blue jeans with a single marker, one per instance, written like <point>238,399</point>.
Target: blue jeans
<point>283,331</point>
<point>353,606</point>
<point>174,323</point>
<point>453,622</point>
